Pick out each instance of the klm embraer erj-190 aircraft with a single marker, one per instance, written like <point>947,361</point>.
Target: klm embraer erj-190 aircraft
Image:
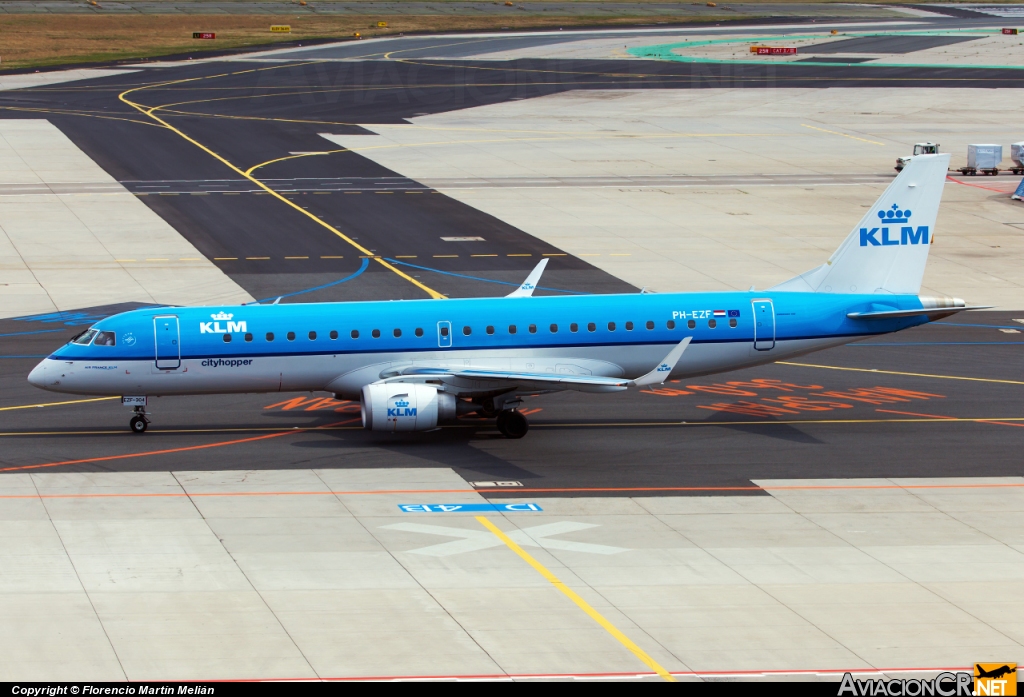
<point>415,364</point>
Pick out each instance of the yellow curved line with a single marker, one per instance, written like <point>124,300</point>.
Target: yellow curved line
<point>149,112</point>
<point>580,602</point>
<point>77,113</point>
<point>291,157</point>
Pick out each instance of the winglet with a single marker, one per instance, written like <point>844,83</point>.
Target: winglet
<point>526,290</point>
<point>665,368</point>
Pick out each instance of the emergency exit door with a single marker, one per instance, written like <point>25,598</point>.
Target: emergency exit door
<point>168,342</point>
<point>444,334</point>
<point>764,324</point>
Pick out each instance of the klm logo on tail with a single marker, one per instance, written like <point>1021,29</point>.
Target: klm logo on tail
<point>884,236</point>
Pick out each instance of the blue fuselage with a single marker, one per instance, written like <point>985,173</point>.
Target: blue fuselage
<point>341,346</point>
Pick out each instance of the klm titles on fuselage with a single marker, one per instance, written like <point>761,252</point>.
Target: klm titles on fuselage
<point>884,236</point>
<point>215,326</point>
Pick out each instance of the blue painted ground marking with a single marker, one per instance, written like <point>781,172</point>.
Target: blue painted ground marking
<point>477,278</point>
<point>362,267</point>
<point>469,507</point>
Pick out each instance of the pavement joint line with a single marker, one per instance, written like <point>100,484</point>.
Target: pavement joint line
<point>896,372</point>
<point>149,111</point>
<point>540,490</point>
<point>507,677</point>
<point>603,424</point>
<point>844,135</point>
<point>580,602</point>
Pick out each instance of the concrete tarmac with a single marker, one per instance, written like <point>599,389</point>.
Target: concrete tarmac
<point>854,509</point>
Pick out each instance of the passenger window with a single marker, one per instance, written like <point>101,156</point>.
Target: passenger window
<point>291,336</point>
<point>650,324</point>
<point>104,339</point>
<point>419,331</point>
<point>444,331</point>
<point>355,334</point>
<point>574,327</point>
<point>712,323</point>
<point>691,324</point>
<point>732,323</point>
<point>611,326</point>
<point>511,329</point>
<point>398,333</point>
<point>629,326</point>
<point>84,338</point>
<point>312,336</point>
<point>270,336</point>
<point>490,330</point>
<point>227,338</point>
<point>467,331</point>
<point>334,334</point>
<point>553,328</point>
<point>591,327</point>
<point>375,333</point>
<point>248,337</point>
<point>533,328</point>
<point>671,324</point>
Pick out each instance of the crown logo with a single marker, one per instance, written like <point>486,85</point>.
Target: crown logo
<point>221,316</point>
<point>894,215</point>
<point>401,403</point>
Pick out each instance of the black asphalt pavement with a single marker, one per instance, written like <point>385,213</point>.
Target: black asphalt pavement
<point>944,400</point>
<point>937,401</point>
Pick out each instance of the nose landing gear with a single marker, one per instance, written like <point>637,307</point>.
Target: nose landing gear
<point>512,424</point>
<point>139,422</point>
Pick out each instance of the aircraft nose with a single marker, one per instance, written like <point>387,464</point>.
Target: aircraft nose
<point>38,375</point>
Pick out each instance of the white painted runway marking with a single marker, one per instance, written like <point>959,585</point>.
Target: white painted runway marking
<point>473,540</point>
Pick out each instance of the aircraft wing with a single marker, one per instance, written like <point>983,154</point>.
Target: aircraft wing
<point>552,381</point>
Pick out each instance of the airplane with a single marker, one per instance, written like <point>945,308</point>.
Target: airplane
<point>416,364</point>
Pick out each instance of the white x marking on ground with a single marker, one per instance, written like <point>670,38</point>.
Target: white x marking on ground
<point>472,540</point>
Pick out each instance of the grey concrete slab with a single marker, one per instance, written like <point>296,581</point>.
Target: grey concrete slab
<point>701,585</point>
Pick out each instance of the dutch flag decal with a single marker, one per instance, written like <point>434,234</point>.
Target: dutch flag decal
<point>719,313</point>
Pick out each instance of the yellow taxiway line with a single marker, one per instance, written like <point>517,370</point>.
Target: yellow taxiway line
<point>580,602</point>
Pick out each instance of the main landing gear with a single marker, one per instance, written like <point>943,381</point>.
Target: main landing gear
<point>139,422</point>
<point>512,424</point>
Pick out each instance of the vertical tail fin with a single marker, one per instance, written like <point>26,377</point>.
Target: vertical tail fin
<point>887,251</point>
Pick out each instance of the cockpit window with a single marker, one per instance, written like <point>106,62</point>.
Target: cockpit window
<point>104,339</point>
<point>86,338</point>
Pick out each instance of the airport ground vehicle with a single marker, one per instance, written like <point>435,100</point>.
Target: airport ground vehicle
<point>919,149</point>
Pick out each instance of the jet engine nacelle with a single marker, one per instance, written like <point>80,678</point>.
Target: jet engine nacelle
<point>406,407</point>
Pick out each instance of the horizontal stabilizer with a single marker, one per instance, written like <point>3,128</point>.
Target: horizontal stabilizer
<point>930,311</point>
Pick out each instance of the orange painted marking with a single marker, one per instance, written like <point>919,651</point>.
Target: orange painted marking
<point>936,416</point>
<point>107,458</point>
<point>979,186</point>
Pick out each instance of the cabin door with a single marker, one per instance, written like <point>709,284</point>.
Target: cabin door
<point>168,342</point>
<point>764,324</point>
